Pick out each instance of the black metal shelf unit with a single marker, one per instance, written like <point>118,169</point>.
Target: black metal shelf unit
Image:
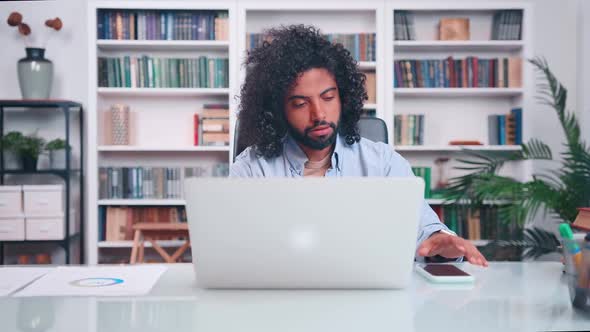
<point>66,106</point>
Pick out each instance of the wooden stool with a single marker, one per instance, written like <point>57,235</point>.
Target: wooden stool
<point>151,232</point>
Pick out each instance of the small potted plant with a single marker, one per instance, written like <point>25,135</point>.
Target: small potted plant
<point>57,153</point>
<point>10,144</point>
<point>29,151</point>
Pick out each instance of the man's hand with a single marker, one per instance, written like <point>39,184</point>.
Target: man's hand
<point>451,246</point>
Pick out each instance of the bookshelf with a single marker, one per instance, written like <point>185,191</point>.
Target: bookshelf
<point>361,18</point>
<point>450,113</point>
<point>457,113</point>
<point>162,115</point>
<point>162,92</point>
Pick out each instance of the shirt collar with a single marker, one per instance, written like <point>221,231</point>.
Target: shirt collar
<point>297,158</point>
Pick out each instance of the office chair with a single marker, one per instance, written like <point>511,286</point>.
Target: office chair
<point>374,129</point>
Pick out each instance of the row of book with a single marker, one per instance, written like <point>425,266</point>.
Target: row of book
<point>162,24</point>
<point>150,72</point>
<point>152,182</point>
<point>403,25</point>
<point>139,183</point>
<point>116,222</point>
<point>211,126</point>
<point>426,174</point>
<point>481,224</point>
<point>409,129</point>
<point>220,169</point>
<point>360,45</point>
<point>505,129</point>
<point>471,72</point>
<point>507,25</point>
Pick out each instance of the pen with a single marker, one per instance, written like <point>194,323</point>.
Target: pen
<point>573,248</point>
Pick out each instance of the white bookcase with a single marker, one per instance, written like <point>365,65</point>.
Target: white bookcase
<point>348,17</point>
<point>458,113</point>
<point>165,115</point>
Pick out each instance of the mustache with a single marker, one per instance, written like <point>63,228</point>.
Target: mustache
<point>318,124</point>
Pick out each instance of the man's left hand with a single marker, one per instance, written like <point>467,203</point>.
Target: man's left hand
<point>451,246</point>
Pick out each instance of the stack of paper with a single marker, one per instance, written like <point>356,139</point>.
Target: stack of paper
<point>14,278</point>
<point>96,281</point>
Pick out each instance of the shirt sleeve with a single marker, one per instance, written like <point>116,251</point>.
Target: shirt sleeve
<point>397,166</point>
<point>241,167</point>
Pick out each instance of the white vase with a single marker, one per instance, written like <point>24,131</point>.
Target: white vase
<point>57,159</point>
<point>11,160</point>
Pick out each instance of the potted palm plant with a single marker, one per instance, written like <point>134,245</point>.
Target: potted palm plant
<point>558,193</point>
<point>29,151</point>
<point>57,153</point>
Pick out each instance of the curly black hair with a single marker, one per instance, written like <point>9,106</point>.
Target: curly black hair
<point>273,68</point>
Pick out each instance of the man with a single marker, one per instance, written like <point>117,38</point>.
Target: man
<point>299,109</point>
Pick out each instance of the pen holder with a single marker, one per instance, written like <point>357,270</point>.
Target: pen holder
<point>577,271</point>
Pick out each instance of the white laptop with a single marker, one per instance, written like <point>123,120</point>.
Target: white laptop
<point>303,233</point>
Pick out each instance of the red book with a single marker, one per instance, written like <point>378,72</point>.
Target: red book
<point>452,73</point>
<point>475,72</point>
<point>491,74</point>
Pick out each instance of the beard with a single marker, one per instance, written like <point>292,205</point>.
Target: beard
<point>319,143</point>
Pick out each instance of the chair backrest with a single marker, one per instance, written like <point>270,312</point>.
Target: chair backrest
<point>374,129</point>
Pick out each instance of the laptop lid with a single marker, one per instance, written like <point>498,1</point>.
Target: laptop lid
<point>303,233</point>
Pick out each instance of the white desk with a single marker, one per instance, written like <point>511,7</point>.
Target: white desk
<point>505,297</point>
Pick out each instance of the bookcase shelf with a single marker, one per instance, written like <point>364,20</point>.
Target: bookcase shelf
<point>454,46</point>
<point>367,65</point>
<point>440,201</point>
<point>480,243</point>
<point>131,148</point>
<point>162,92</point>
<point>370,106</point>
<point>162,45</point>
<point>162,121</point>
<point>458,92</point>
<point>129,244</point>
<point>142,202</point>
<point>457,148</point>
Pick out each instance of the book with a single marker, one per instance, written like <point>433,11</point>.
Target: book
<point>162,24</point>
<point>493,130</point>
<point>454,29</point>
<point>470,72</point>
<point>371,87</point>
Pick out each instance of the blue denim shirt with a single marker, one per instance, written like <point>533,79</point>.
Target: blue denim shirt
<point>364,158</point>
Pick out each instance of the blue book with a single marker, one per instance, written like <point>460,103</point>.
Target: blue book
<point>107,26</point>
<point>357,49</point>
<point>517,113</point>
<point>435,78</point>
<point>426,78</point>
<point>101,223</point>
<point>502,129</point>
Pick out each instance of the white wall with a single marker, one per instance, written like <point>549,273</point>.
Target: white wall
<point>584,67</point>
<point>67,49</point>
<point>556,37</point>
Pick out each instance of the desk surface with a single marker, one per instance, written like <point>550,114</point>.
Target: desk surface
<point>505,297</point>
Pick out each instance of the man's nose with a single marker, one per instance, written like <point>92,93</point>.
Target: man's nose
<point>317,111</point>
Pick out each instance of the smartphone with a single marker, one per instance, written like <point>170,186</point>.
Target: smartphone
<point>444,273</point>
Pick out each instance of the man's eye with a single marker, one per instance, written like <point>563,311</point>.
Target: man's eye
<point>329,98</point>
<point>299,105</point>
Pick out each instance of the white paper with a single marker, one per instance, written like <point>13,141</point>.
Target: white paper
<point>96,281</point>
<point>14,278</point>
